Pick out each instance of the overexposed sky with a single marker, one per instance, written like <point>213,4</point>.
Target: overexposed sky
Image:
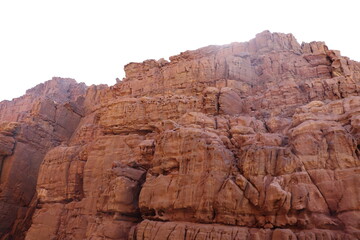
<point>91,41</point>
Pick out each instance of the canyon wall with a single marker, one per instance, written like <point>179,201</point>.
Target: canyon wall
<point>254,140</point>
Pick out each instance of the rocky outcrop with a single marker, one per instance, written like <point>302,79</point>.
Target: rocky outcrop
<point>43,118</point>
<point>254,140</point>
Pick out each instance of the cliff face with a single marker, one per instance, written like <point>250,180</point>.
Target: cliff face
<point>255,140</point>
<point>31,125</point>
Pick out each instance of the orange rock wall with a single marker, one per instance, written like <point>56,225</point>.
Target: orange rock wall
<point>254,140</point>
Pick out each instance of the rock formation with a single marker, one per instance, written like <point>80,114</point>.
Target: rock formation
<point>31,125</point>
<point>254,140</point>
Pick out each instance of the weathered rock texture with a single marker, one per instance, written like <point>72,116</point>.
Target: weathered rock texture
<point>31,125</point>
<point>255,140</point>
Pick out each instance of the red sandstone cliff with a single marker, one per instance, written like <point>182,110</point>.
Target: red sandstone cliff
<point>255,140</point>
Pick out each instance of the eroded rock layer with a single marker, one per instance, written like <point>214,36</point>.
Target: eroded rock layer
<point>254,140</point>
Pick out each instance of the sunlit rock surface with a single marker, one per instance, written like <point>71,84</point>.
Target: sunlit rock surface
<point>254,140</point>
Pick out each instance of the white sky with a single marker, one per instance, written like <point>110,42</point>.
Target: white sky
<point>91,41</point>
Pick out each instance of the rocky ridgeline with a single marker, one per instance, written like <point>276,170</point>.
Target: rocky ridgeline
<point>254,140</point>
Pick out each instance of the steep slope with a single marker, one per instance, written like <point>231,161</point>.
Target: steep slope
<point>254,140</point>
<point>43,118</point>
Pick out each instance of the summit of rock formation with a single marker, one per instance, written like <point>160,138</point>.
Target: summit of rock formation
<point>252,140</point>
